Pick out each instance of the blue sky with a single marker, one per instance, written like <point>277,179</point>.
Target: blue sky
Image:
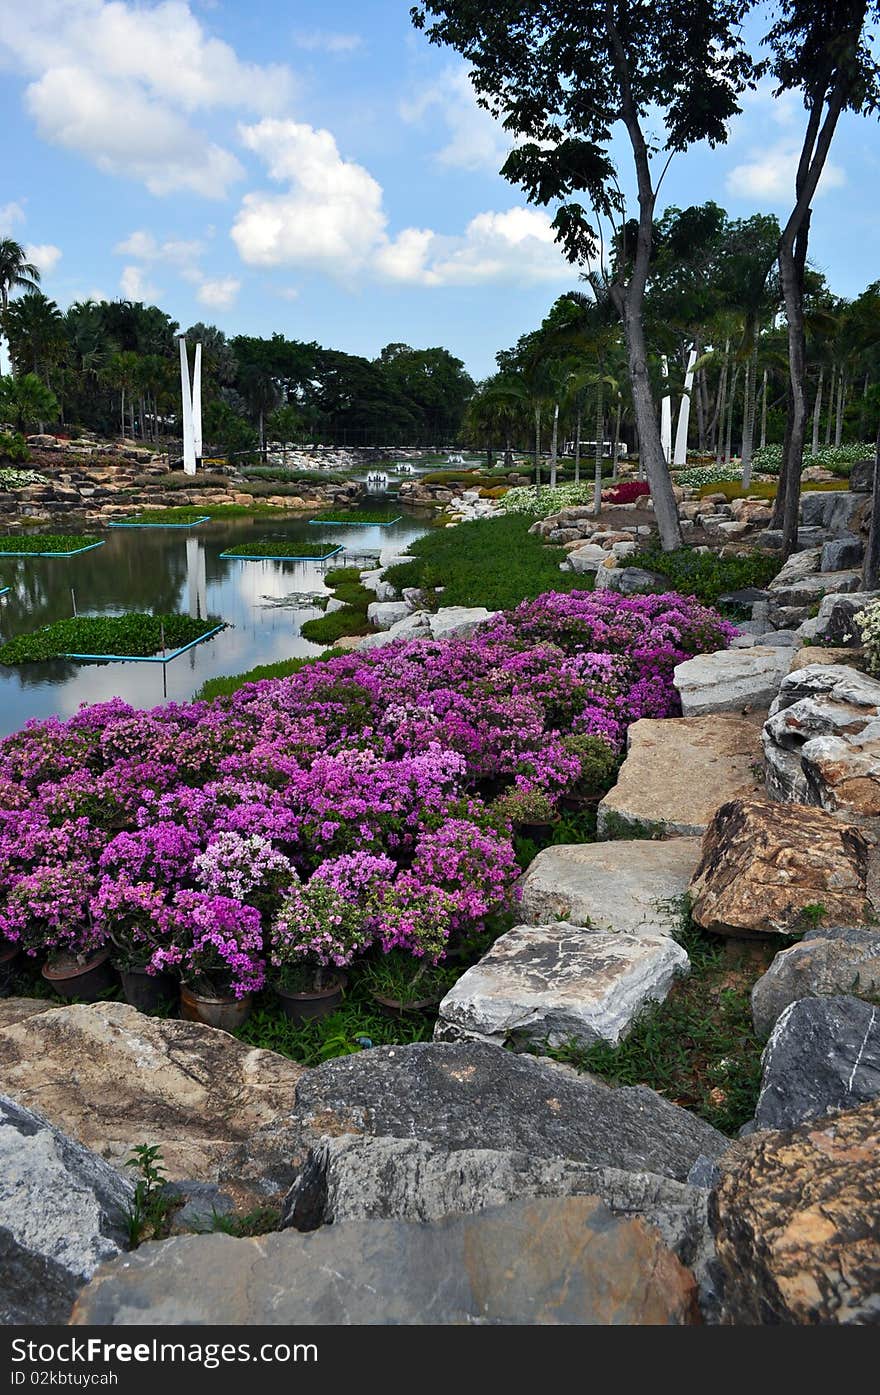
<point>321,170</point>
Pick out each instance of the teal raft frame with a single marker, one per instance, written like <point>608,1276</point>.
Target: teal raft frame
<point>143,658</point>
<point>76,552</point>
<point>193,523</point>
<point>277,557</point>
<point>350,523</point>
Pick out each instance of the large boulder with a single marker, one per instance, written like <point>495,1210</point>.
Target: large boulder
<point>831,509</point>
<point>823,1055</point>
<point>458,621</point>
<point>827,962</point>
<point>631,887</point>
<point>550,984</point>
<point>731,680</point>
<point>764,864</point>
<point>470,1095</point>
<point>587,558</point>
<point>861,478</point>
<point>384,614</point>
<point>822,740</point>
<point>63,1211</point>
<point>835,623</point>
<point>821,654</point>
<point>629,581</point>
<point>114,1078</point>
<point>414,626</point>
<point>840,554</point>
<point>537,1262</point>
<point>796,1219</point>
<point>808,590</point>
<point>679,770</point>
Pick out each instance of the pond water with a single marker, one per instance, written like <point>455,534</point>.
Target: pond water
<point>167,569</point>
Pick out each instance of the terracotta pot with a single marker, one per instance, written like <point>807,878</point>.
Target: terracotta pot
<point>83,979</point>
<point>392,1007</point>
<point>148,992</point>
<point>226,1013</point>
<point>308,1007</point>
<point>8,964</point>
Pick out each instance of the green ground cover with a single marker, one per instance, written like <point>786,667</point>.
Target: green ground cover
<point>132,634</point>
<point>282,547</point>
<point>46,542</point>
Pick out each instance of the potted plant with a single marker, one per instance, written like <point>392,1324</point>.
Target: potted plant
<point>135,918</point>
<point>316,934</point>
<point>47,911</point>
<point>530,810</point>
<point>413,927</point>
<point>216,944</point>
<point>598,770</point>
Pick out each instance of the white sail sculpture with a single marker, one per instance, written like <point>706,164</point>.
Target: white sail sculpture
<point>191,400</point>
<point>666,413</point>
<point>684,413</point>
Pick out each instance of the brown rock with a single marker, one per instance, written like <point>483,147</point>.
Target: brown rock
<point>763,863</point>
<point>537,1262</point>
<point>679,770</point>
<point>816,654</point>
<point>17,1009</point>
<point>113,1078</point>
<point>796,1219</point>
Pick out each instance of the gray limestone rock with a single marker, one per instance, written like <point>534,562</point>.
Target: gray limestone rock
<point>838,554</point>
<point>731,680</point>
<point>823,1055</point>
<point>827,962</point>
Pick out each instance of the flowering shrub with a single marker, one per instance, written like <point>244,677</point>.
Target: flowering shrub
<point>699,475</point>
<point>868,623</point>
<point>768,459</point>
<point>626,492</point>
<point>358,801</point>
<point>542,503</point>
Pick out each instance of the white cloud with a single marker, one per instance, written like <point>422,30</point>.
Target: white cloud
<point>220,294</point>
<point>329,216</point>
<point>327,41</point>
<point>476,140</point>
<point>43,255</point>
<point>119,82</point>
<point>181,254</point>
<point>516,247</point>
<point>769,175</point>
<point>135,286</point>
<point>10,215</point>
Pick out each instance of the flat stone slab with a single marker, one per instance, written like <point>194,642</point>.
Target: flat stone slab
<point>630,887</point>
<point>731,680</point>
<point>820,654</point>
<point>534,1262</point>
<point>17,1009</point>
<point>679,770</point>
<point>551,984</point>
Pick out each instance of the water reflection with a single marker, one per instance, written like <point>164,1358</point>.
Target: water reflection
<point>165,570</point>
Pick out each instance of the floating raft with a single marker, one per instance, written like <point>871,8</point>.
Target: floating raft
<point>278,557</point>
<point>75,553</point>
<point>351,522</point>
<point>4,589</point>
<point>193,523</point>
<point>142,658</point>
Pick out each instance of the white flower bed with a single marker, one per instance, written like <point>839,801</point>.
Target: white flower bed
<point>527,500</point>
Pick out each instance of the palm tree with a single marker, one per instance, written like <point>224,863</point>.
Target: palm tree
<point>34,327</point>
<point>16,272</point>
<point>27,402</point>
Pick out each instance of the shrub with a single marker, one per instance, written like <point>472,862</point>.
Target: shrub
<point>327,629</point>
<point>706,575</point>
<point>13,448</point>
<point>838,459</point>
<point>626,492</point>
<point>224,687</point>
<point>281,547</point>
<point>546,501</point>
<point>45,542</point>
<point>868,624</point>
<point>698,476</point>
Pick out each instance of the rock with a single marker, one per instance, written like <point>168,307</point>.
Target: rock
<point>831,509</point>
<point>17,1009</point>
<point>796,1220</point>
<point>822,740</point>
<point>544,1261</point>
<point>823,1054</point>
<point>818,654</point>
<point>551,984</point>
<point>841,553</point>
<point>384,614</point>
<point>457,621</point>
<point>861,477</point>
<point>678,770</point>
<point>470,1095</point>
<point>836,618</point>
<point>807,538</point>
<point>390,557</point>
<point>588,558</point>
<point>630,581</point>
<point>414,626</point>
<point>747,595</point>
<point>763,863</point>
<point>633,888</point>
<point>62,1213</point>
<point>809,589</point>
<point>333,605</point>
<point>828,962</point>
<point>731,680</point>
<point>355,1179</point>
<point>211,1104</point>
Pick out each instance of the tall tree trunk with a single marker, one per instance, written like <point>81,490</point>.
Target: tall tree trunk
<point>729,429</point>
<point>122,411</point>
<point>817,409</point>
<point>615,445</point>
<point>705,441</point>
<point>577,442</point>
<point>871,568</point>
<point>554,445</point>
<point>701,420</point>
<point>143,418</point>
<point>721,405</point>
<point>600,441</point>
<point>764,412</point>
<point>537,449</point>
<point>652,462</point>
<point>841,399</point>
<point>750,405</point>
<point>792,265</point>
<point>830,418</point>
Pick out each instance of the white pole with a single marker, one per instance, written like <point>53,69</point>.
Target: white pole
<point>197,404</point>
<point>189,454</point>
<point>666,414</point>
<point>684,413</point>
<point>192,575</point>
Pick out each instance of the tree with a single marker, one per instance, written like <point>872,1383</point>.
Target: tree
<point>34,327</point>
<point>821,49</point>
<point>26,402</point>
<point>16,272</point>
<point>561,74</point>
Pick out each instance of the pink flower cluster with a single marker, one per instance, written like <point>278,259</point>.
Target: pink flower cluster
<point>359,795</point>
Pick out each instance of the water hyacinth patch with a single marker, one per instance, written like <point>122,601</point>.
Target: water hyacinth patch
<point>358,802</point>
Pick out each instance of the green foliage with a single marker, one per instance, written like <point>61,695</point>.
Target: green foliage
<point>45,542</point>
<point>353,594</point>
<point>407,980</point>
<point>356,1024</point>
<point>187,513</point>
<point>263,1220</point>
<point>327,629</point>
<point>281,547</point>
<point>228,432</point>
<point>618,827</point>
<point>766,489</point>
<point>224,687</point>
<point>493,562</point>
<point>134,633</point>
<point>150,1205</point>
<point>599,764</point>
<point>176,479</point>
<point>26,401</point>
<point>700,475</point>
<point>546,501</point>
<point>283,476</point>
<point>364,516</point>
<point>337,576</point>
<point>706,575</point>
<point>13,447</point>
<point>838,459</point>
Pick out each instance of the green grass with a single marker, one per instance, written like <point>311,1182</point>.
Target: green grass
<point>262,473</point>
<point>183,514</point>
<point>353,594</point>
<point>492,562</point>
<point>698,1048</point>
<point>766,489</point>
<point>364,516</point>
<point>281,547</point>
<point>337,576</point>
<point>176,479</point>
<point>327,629</point>
<point>706,575</point>
<point>224,687</point>
<point>135,633</point>
<point>46,542</point>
